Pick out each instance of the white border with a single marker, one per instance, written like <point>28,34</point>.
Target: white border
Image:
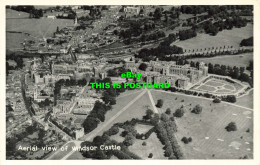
<point>255,161</point>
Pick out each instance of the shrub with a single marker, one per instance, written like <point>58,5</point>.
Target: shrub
<point>179,112</point>
<point>185,140</point>
<point>168,111</point>
<point>231,127</point>
<point>197,109</point>
<point>150,155</point>
<point>159,103</point>
<point>216,100</point>
<point>144,143</point>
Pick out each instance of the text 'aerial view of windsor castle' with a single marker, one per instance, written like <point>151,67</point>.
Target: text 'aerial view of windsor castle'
<point>55,54</point>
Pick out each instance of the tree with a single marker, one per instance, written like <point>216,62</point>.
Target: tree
<point>168,111</point>
<point>159,103</point>
<point>231,127</point>
<point>216,100</point>
<point>129,139</point>
<point>197,109</point>
<point>157,14</point>
<point>185,140</point>
<point>155,119</point>
<point>150,155</point>
<point>89,124</point>
<point>179,112</point>
<point>143,66</point>
<point>148,115</point>
<point>113,130</point>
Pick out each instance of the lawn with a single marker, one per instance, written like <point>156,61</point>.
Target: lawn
<point>213,83</point>
<point>142,129</point>
<point>224,38</point>
<point>39,28</point>
<point>117,137</point>
<point>153,145</point>
<point>246,100</point>
<point>241,60</point>
<point>206,88</point>
<point>210,139</point>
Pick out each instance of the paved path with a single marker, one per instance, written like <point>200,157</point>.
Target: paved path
<point>77,144</point>
<point>152,101</point>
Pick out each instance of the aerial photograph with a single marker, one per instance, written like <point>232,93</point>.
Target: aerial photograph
<point>145,82</point>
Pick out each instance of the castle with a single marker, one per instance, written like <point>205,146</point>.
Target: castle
<point>180,76</point>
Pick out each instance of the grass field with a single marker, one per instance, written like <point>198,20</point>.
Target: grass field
<point>246,100</point>
<point>141,128</point>
<point>117,137</point>
<point>206,88</point>
<point>210,139</point>
<point>224,38</point>
<point>153,145</point>
<point>37,28</point>
<point>241,60</point>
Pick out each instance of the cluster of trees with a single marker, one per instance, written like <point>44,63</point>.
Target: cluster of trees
<point>96,116</point>
<point>152,36</point>
<point>234,72</point>
<point>229,23</point>
<point>34,13</point>
<point>165,132</point>
<point>45,103</point>
<point>179,112</point>
<point>247,42</point>
<point>187,34</point>
<point>117,71</point>
<point>71,15</point>
<point>186,140</point>
<point>161,51</point>
<point>230,98</point>
<point>216,100</point>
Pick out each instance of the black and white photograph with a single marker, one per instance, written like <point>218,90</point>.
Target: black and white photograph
<point>129,82</point>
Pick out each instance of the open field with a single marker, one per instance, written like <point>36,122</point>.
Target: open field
<point>153,145</point>
<point>117,137</point>
<point>210,140</point>
<point>11,14</point>
<point>241,60</point>
<point>27,28</point>
<point>141,128</point>
<point>43,27</point>
<point>246,100</point>
<point>224,38</point>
